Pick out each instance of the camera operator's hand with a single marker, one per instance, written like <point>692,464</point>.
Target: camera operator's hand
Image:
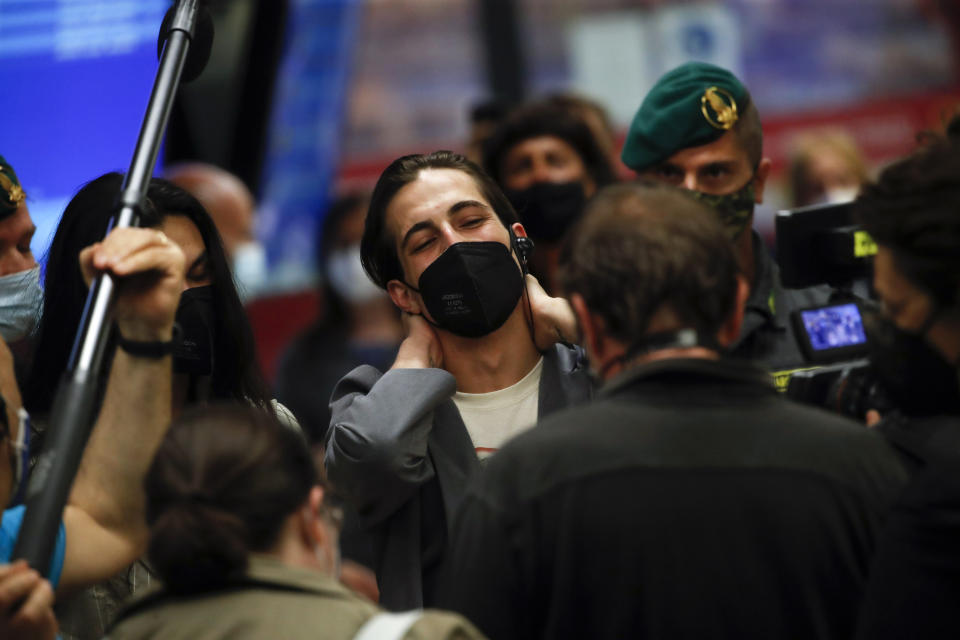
<point>26,604</point>
<point>150,272</point>
<point>872,418</point>
<point>421,348</point>
<point>553,318</point>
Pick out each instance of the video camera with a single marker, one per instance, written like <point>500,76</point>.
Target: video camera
<point>822,244</point>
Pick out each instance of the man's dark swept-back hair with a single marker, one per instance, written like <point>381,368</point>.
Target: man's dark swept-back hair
<point>645,246</point>
<point>378,248</point>
<point>544,119</point>
<point>914,210</point>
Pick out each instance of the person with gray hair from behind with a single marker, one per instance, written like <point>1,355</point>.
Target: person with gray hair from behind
<point>690,499</point>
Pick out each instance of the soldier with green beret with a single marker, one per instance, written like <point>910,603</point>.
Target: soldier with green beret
<point>21,296</point>
<point>699,130</point>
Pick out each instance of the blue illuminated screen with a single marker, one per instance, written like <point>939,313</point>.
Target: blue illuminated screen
<point>77,76</point>
<point>833,327</point>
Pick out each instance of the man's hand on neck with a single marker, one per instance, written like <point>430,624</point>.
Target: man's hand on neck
<point>492,362</point>
<point>421,349</point>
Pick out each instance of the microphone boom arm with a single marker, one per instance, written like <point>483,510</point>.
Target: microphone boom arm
<point>74,404</point>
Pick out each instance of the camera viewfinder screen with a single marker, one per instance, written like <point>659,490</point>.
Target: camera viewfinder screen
<point>834,327</point>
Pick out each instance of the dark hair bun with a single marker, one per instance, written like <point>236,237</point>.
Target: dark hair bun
<point>197,547</point>
<point>221,486</point>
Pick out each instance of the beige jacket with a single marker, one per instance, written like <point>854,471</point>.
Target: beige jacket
<point>279,602</point>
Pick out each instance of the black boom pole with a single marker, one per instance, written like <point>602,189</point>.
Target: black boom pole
<point>187,27</point>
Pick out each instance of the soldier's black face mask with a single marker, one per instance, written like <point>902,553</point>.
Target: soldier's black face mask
<point>193,352</point>
<point>548,209</point>
<point>472,288</point>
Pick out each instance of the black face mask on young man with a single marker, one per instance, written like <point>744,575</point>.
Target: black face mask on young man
<point>472,288</point>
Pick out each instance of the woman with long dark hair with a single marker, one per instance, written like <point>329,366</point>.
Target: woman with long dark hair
<point>244,538</point>
<point>216,359</point>
<point>214,356</point>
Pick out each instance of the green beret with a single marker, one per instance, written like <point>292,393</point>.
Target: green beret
<point>692,105</point>
<point>11,193</point>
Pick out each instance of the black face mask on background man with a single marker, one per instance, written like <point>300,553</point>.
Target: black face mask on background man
<point>548,209</point>
<point>472,288</point>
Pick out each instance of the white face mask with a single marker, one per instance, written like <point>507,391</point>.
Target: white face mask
<point>21,303</point>
<point>347,277</point>
<point>249,268</point>
<point>836,195</point>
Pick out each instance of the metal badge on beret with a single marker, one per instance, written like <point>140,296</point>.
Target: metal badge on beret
<point>724,114</point>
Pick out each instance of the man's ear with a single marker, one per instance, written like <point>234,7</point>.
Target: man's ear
<point>518,230</point>
<point>591,329</point>
<point>730,330</point>
<point>405,298</point>
<point>312,530</point>
<point>760,179</point>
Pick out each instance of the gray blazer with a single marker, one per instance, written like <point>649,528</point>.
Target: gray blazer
<point>398,449</point>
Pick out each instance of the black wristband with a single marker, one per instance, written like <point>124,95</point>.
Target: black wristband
<point>154,349</point>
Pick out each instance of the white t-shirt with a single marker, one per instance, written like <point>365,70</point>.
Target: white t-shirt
<point>495,417</point>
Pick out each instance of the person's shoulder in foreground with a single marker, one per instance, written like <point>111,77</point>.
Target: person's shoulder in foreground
<point>275,599</point>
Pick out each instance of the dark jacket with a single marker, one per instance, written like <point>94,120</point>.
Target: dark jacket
<point>401,453</point>
<point>691,500</point>
<point>914,587</point>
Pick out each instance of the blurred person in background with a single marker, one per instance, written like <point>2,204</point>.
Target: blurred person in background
<point>358,325</point>
<point>826,167</point>
<point>243,534</point>
<point>699,129</point>
<point>21,296</point>
<point>913,214</point>
<point>691,499</point>
<point>232,207</point>
<point>485,355</point>
<point>213,354</point>
<point>548,163</point>
<point>103,521</point>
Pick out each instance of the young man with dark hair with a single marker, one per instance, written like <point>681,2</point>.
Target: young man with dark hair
<point>689,500</point>
<point>699,129</point>
<point>480,363</point>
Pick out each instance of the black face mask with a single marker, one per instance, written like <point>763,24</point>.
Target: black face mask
<point>193,351</point>
<point>915,376</point>
<point>472,288</point>
<point>548,209</point>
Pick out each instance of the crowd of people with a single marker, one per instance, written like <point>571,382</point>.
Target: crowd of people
<point>540,403</point>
